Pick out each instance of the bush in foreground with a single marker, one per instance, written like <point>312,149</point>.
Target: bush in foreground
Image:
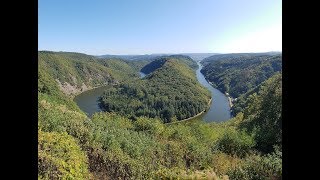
<point>60,157</point>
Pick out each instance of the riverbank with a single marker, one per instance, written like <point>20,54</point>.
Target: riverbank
<point>197,115</point>
<point>230,101</point>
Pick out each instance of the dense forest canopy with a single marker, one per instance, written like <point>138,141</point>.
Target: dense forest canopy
<point>241,74</point>
<point>263,114</point>
<point>112,146</point>
<point>238,75</point>
<point>170,92</point>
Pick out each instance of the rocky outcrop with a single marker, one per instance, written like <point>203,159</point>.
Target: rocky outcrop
<point>71,90</point>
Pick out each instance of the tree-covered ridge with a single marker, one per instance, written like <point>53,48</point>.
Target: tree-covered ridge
<point>159,61</point>
<point>230,56</point>
<point>171,92</point>
<point>154,65</point>
<point>240,74</point>
<point>76,72</point>
<point>242,101</point>
<point>263,114</point>
<point>137,65</point>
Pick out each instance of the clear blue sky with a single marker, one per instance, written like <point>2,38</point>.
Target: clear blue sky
<point>99,27</point>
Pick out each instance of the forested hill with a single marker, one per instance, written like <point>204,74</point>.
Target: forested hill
<point>216,57</point>
<point>199,56</point>
<point>132,57</point>
<point>236,75</point>
<point>159,61</point>
<point>76,72</point>
<point>171,92</point>
<point>242,101</point>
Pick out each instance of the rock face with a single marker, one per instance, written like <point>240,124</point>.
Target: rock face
<point>84,87</point>
<point>71,90</point>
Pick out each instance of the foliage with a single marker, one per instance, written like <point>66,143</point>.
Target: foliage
<point>144,124</point>
<point>171,91</point>
<point>242,101</point>
<point>138,64</point>
<point>176,173</point>
<point>259,167</point>
<point>154,65</point>
<point>263,115</point>
<point>81,70</point>
<point>48,90</point>
<point>236,142</point>
<point>159,62</point>
<point>60,157</point>
<point>58,118</point>
<point>238,74</point>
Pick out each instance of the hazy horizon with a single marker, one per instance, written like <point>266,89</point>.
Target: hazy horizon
<point>157,53</point>
<point>160,27</point>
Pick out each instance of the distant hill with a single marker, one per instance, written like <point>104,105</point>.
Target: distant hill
<point>132,57</point>
<point>194,56</point>
<point>158,62</point>
<point>235,55</point>
<point>199,56</point>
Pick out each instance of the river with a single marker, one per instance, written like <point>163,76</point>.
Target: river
<point>88,100</point>
<point>219,107</point>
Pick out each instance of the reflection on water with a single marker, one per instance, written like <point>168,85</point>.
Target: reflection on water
<point>88,101</point>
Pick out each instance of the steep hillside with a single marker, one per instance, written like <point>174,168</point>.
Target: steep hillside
<point>76,72</point>
<point>237,75</point>
<point>243,100</point>
<point>263,114</point>
<point>137,65</point>
<point>170,92</point>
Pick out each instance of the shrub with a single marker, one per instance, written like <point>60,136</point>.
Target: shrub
<point>176,173</point>
<point>235,142</point>
<point>59,118</point>
<point>153,126</point>
<point>60,157</point>
<point>259,167</point>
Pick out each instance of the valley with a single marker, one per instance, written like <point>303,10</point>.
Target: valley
<point>218,110</point>
<point>138,135</point>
